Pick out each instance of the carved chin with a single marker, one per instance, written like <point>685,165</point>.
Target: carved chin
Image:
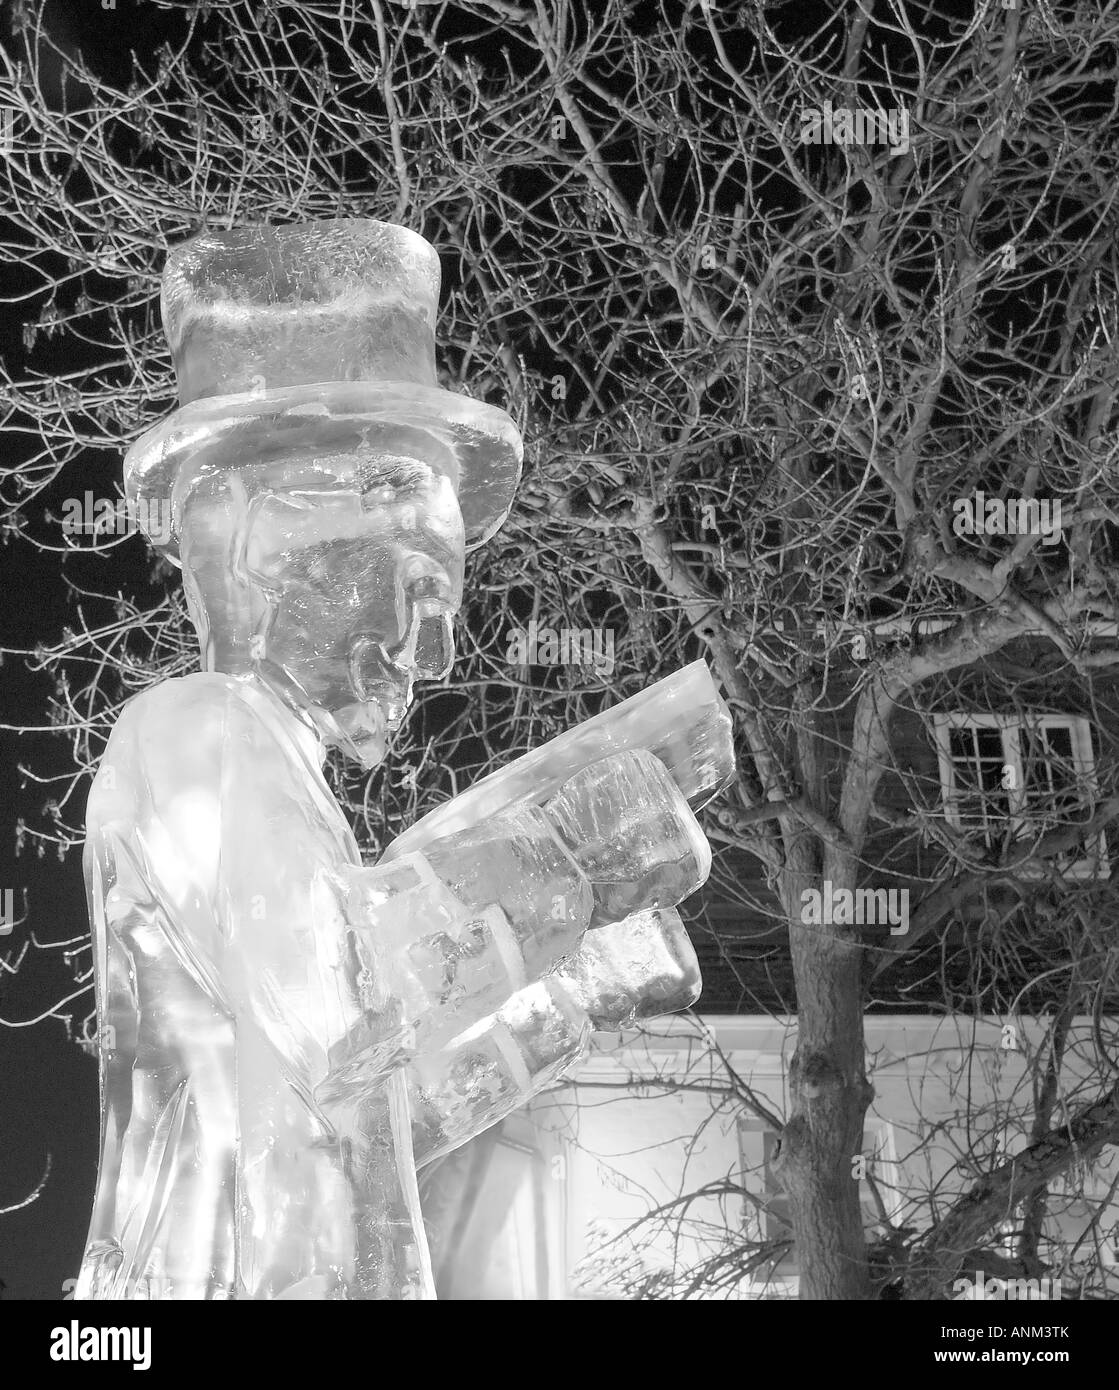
<point>362,732</point>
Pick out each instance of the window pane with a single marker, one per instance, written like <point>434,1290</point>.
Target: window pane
<point>1054,794</point>
<point>980,800</point>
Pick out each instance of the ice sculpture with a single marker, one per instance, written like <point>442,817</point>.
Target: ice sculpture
<point>286,1033</point>
<point>632,970</point>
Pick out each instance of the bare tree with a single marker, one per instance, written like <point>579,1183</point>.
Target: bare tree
<point>993,1165</point>
<point>771,289</point>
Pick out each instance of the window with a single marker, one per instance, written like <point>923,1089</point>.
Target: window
<point>768,1218</point>
<point>1005,778</point>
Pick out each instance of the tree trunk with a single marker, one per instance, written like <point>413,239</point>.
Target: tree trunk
<point>829,1094</point>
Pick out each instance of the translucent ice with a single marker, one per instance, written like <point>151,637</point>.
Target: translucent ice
<point>633,834</point>
<point>622,974</point>
<point>317,485</point>
<point>255,981</point>
<point>278,1020</point>
<point>487,1072</point>
<point>682,720</point>
<point>215,865</point>
<point>351,589</point>
<point>282,306</point>
<point>309,350</point>
<point>450,953</point>
<point>459,928</point>
<point>635,970</point>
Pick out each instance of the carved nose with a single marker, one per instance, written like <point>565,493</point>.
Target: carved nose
<point>429,648</point>
<point>425,605</point>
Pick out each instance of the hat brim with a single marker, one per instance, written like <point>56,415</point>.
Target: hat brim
<point>328,421</point>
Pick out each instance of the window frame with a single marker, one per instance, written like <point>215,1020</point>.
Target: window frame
<point>1093,863</point>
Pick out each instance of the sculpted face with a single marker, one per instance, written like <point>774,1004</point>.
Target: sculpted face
<point>341,598</point>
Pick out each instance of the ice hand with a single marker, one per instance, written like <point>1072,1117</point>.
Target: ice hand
<point>621,975</point>
<point>632,833</point>
<point>445,938</point>
<point>457,930</point>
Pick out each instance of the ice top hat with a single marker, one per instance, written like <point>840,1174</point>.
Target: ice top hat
<point>313,346</point>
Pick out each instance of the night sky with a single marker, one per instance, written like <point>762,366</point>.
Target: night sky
<point>48,1084</point>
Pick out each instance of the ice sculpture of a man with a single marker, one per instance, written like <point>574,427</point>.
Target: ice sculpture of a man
<point>285,1033</point>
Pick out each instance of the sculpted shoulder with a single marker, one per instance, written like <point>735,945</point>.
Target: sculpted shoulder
<point>194,697</point>
<point>167,738</point>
